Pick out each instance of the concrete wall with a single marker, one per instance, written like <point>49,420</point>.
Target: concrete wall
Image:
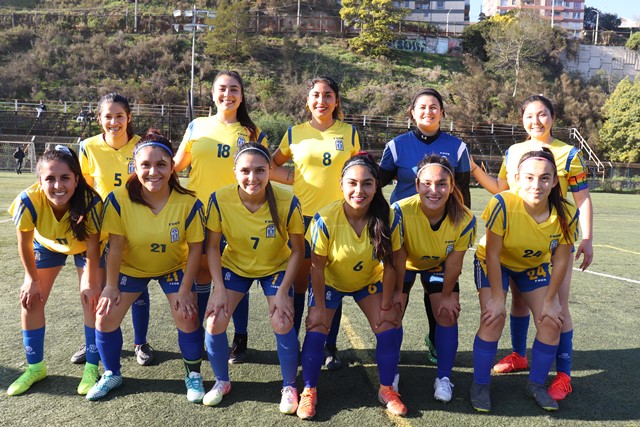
<point>615,61</point>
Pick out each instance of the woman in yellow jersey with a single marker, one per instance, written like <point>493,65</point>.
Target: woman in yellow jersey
<point>318,149</point>
<point>437,229</point>
<point>259,220</point>
<point>538,117</point>
<point>56,217</point>
<point>107,161</point>
<point>525,226</point>
<point>156,230</point>
<point>350,240</point>
<point>208,146</point>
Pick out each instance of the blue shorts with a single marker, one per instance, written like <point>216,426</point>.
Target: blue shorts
<point>307,246</point>
<point>170,283</point>
<point>432,280</point>
<point>46,258</point>
<point>333,297</point>
<point>526,281</point>
<point>270,284</point>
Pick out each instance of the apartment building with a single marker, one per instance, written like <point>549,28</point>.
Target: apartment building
<point>565,14</point>
<point>450,15</point>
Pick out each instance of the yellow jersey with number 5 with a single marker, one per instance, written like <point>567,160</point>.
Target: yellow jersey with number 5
<point>104,166</point>
<point>318,158</point>
<point>526,244</point>
<point>254,248</point>
<point>351,264</point>
<point>156,244</point>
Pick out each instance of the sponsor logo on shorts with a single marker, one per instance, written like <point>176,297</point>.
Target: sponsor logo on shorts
<point>123,281</point>
<point>227,276</point>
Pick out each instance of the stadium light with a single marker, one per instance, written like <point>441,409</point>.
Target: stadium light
<point>192,28</point>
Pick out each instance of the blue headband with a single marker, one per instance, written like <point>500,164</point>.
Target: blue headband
<point>152,144</point>
<point>63,148</point>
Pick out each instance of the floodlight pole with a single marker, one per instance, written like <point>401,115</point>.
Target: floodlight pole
<point>193,54</point>
<point>595,34</point>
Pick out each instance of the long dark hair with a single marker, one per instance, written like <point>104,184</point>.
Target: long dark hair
<point>337,112</point>
<point>538,98</point>
<point>242,114</point>
<point>555,197</point>
<point>454,207</point>
<point>426,92</point>
<point>116,98</point>
<point>378,221</point>
<point>248,148</point>
<point>134,186</point>
<point>84,198</point>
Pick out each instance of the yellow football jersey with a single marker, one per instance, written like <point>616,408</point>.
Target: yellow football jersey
<point>212,145</point>
<point>318,158</point>
<point>104,166</point>
<point>155,244</point>
<point>351,264</point>
<point>31,211</point>
<point>427,248</point>
<point>254,247</point>
<point>572,172</point>
<point>526,244</point>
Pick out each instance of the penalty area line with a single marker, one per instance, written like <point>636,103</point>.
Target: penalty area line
<point>624,279</point>
<point>617,249</point>
<point>357,343</point>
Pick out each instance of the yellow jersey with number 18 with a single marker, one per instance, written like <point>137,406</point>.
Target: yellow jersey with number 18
<point>212,145</point>
<point>318,158</point>
<point>105,166</point>
<point>254,247</point>
<point>156,244</point>
<point>526,244</point>
<point>351,264</point>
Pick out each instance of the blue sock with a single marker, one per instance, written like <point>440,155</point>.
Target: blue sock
<point>483,354</point>
<point>202,292</point>
<point>447,347</point>
<point>140,317</point>
<point>218,350</point>
<point>288,355</point>
<point>332,338</point>
<point>542,356</point>
<point>519,330</point>
<point>387,355</point>
<point>191,344</point>
<point>110,345</point>
<point>565,350</point>
<point>312,357</point>
<point>298,311</point>
<point>241,316</point>
<point>33,341</point>
<point>93,356</point>
<point>399,338</point>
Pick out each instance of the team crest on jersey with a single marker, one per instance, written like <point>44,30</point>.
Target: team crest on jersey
<point>271,231</point>
<point>554,244</point>
<point>339,144</point>
<point>241,141</point>
<point>131,167</point>
<point>449,249</point>
<point>175,235</point>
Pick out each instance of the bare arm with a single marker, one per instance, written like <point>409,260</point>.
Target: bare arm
<point>182,159</point>
<point>585,206</point>
<point>495,306</point>
<point>30,288</point>
<point>278,172</point>
<point>111,294</point>
<point>490,183</point>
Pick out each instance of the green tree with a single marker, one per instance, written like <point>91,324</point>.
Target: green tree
<point>229,39</point>
<point>607,21</point>
<point>374,19</point>
<point>634,42</point>
<point>620,134</point>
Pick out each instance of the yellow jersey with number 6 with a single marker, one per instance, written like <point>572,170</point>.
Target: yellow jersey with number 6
<point>351,264</point>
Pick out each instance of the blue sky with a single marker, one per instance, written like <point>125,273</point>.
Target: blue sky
<point>624,8</point>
